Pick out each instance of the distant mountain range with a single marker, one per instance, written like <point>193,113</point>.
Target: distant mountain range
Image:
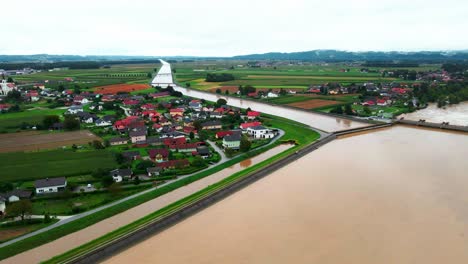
<point>314,55</point>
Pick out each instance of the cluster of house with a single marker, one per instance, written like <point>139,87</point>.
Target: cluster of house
<point>42,186</point>
<point>328,88</point>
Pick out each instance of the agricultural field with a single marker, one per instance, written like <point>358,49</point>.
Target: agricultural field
<point>90,78</point>
<point>314,103</point>
<point>11,122</point>
<point>281,76</point>
<point>118,88</point>
<point>35,140</point>
<point>26,166</point>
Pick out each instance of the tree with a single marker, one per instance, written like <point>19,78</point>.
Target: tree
<point>13,96</point>
<point>97,144</point>
<point>188,84</point>
<point>282,92</point>
<point>107,181</point>
<point>226,92</point>
<point>348,109</point>
<point>119,158</point>
<point>143,165</point>
<point>137,180</point>
<point>203,135</point>
<point>221,102</point>
<point>49,120</point>
<point>20,208</point>
<point>197,125</point>
<point>218,91</point>
<point>367,110</point>
<point>71,123</point>
<point>337,110</point>
<point>198,162</point>
<point>191,135</point>
<point>10,80</point>
<point>245,144</point>
<point>6,186</point>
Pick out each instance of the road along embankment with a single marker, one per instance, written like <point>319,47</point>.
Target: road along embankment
<point>445,126</point>
<point>191,205</point>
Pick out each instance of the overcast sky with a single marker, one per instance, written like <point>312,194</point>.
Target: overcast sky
<point>234,27</point>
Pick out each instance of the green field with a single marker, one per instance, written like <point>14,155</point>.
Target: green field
<point>20,166</point>
<point>280,76</point>
<point>10,122</point>
<point>89,78</point>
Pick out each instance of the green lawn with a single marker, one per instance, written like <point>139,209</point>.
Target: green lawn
<point>19,166</point>
<point>10,122</point>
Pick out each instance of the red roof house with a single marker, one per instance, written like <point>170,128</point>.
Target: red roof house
<point>251,124</point>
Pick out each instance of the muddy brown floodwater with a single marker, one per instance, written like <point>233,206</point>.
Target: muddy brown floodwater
<point>397,195</point>
<point>455,114</point>
<point>105,226</point>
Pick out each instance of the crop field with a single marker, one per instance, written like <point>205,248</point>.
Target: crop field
<point>234,89</point>
<point>35,140</point>
<point>280,76</point>
<point>314,103</point>
<point>345,98</point>
<point>116,88</point>
<point>11,122</point>
<point>90,78</point>
<point>21,166</point>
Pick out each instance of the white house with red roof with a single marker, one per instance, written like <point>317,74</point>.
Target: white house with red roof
<point>244,126</point>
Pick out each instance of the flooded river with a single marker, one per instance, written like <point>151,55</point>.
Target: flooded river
<point>103,227</point>
<point>322,122</point>
<point>455,114</point>
<point>381,197</point>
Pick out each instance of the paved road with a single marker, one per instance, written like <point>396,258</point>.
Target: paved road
<point>67,219</point>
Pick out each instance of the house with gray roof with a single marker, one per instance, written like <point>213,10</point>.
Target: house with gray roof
<point>50,185</point>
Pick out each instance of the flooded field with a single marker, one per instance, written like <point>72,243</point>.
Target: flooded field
<point>455,114</point>
<point>319,121</point>
<point>101,228</point>
<point>381,197</point>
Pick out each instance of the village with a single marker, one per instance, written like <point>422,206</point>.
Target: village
<point>155,138</point>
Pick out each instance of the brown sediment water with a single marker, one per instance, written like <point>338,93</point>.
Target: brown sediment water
<point>105,226</point>
<point>322,122</point>
<point>398,195</point>
<point>454,114</point>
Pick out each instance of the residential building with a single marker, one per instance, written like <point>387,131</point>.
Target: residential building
<point>118,141</point>
<point>212,125</point>
<point>232,141</point>
<point>259,132</point>
<point>153,171</point>
<point>119,174</point>
<point>137,136</point>
<point>50,185</point>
